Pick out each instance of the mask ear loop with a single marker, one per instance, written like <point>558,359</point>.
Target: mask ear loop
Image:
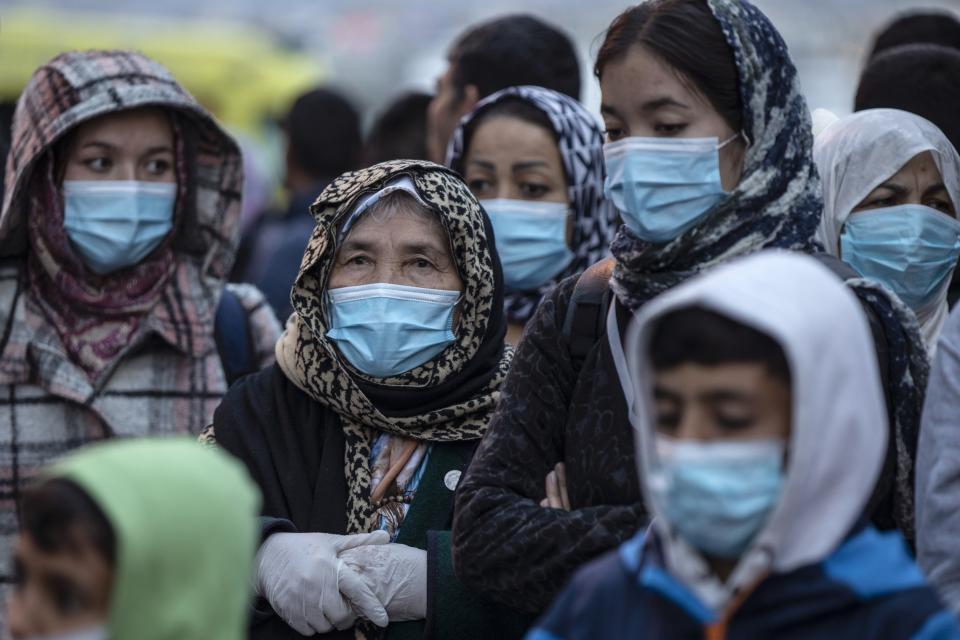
<point>740,134</point>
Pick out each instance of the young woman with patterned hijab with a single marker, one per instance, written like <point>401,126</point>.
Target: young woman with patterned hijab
<point>385,379</point>
<point>709,158</point>
<point>534,158</point>
<point>119,226</point>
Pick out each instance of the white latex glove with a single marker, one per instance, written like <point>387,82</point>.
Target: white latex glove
<point>397,574</point>
<point>310,587</point>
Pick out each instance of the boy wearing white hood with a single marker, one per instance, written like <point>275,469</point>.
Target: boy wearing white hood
<point>759,419</point>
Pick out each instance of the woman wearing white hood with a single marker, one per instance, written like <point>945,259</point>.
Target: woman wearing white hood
<point>891,189</point>
<point>759,420</point>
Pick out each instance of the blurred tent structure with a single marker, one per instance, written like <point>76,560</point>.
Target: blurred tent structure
<point>241,74</point>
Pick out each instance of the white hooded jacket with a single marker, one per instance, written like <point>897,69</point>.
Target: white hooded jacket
<point>838,425</point>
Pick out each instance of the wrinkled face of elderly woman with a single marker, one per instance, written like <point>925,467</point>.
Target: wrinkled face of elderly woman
<point>396,241</point>
<point>394,291</point>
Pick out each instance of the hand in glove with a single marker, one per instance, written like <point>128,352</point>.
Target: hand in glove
<point>397,574</point>
<point>310,587</point>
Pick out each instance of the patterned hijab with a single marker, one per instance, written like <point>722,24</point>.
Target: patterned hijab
<point>98,317</point>
<point>580,141</point>
<point>447,399</point>
<point>777,203</point>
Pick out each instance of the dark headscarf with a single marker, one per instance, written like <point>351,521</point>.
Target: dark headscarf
<point>777,203</point>
<point>446,399</point>
<point>580,142</point>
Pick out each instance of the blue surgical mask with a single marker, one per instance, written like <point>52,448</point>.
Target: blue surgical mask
<point>663,186</point>
<point>911,249</point>
<point>116,224</point>
<point>718,495</point>
<point>531,240</point>
<point>385,329</point>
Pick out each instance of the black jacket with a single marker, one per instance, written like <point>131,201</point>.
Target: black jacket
<point>506,545</point>
<point>293,448</point>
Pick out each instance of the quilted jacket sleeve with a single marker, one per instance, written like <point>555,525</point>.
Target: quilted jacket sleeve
<point>505,544</point>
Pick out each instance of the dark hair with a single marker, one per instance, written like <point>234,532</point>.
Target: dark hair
<point>919,27</point>
<point>60,516</point>
<point>704,337</point>
<point>508,107</point>
<point>687,36</point>
<point>400,131</point>
<point>920,78</point>
<point>515,50</point>
<point>323,130</point>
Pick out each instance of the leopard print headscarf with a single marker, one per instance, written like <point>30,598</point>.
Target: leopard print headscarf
<point>449,398</point>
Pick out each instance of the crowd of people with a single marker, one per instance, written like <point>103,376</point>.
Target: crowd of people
<point>501,369</point>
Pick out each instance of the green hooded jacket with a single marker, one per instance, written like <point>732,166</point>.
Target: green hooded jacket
<point>185,521</point>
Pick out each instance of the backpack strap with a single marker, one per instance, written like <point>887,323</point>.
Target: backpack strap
<point>585,321</point>
<point>846,273</point>
<point>232,334</point>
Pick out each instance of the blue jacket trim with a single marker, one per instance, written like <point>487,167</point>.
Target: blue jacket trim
<point>631,551</point>
<point>659,580</point>
<point>941,626</point>
<point>654,578</point>
<point>873,564</point>
<point>541,634</point>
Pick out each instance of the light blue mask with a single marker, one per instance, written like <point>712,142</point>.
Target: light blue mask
<point>717,495</point>
<point>663,186</point>
<point>385,329</point>
<point>116,224</point>
<point>911,249</point>
<point>531,240</point>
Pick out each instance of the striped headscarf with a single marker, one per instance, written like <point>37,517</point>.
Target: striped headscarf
<point>580,141</point>
<point>778,201</point>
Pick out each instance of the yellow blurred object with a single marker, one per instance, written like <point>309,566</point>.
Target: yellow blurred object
<point>240,74</point>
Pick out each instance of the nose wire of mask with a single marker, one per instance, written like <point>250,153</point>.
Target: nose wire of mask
<point>116,224</point>
<point>911,249</point>
<point>531,239</point>
<point>663,186</point>
<point>386,329</point>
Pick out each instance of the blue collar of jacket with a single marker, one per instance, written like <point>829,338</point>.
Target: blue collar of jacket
<point>869,564</point>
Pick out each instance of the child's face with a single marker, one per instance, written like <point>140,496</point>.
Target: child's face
<point>737,401</point>
<point>58,593</point>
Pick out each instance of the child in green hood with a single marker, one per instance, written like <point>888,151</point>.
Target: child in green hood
<point>136,540</point>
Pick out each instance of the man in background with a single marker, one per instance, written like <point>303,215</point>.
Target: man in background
<point>504,52</point>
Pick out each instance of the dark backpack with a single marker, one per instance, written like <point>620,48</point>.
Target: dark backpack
<point>586,319</point>
<point>234,339</point>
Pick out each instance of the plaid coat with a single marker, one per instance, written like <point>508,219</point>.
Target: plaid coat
<point>169,379</point>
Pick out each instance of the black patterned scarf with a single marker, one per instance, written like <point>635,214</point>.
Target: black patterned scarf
<point>449,398</point>
<point>580,142</point>
<point>778,201</point>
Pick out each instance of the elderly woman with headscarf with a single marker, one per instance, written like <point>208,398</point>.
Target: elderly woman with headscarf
<point>118,229</point>
<point>534,158</point>
<point>709,159</point>
<point>385,380</point>
<point>891,188</point>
